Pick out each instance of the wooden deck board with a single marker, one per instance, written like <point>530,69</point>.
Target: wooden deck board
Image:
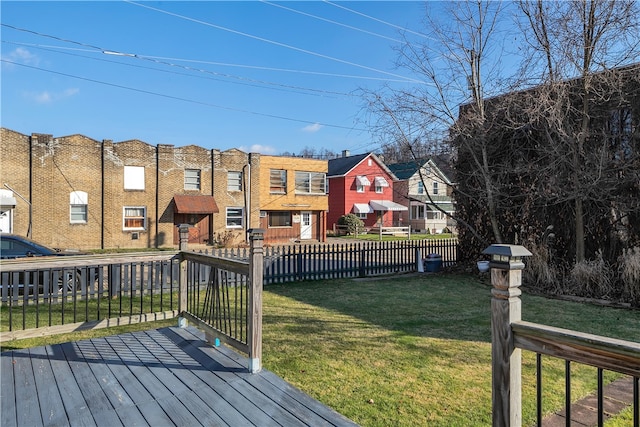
<point>159,377</point>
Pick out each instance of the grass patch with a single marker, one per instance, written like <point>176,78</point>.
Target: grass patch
<point>408,351</point>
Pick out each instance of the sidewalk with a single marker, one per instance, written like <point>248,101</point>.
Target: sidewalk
<point>617,396</point>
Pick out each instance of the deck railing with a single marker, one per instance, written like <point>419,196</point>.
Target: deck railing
<point>510,335</point>
<point>224,298</point>
<point>46,296</point>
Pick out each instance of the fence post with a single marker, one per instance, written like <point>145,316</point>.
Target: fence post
<point>506,360</point>
<point>256,266</point>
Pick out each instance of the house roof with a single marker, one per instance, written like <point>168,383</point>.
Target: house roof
<point>407,169</point>
<point>343,165</point>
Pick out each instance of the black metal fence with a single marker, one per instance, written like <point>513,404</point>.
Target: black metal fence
<point>357,259</point>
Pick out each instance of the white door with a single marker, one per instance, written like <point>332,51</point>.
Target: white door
<point>305,226</point>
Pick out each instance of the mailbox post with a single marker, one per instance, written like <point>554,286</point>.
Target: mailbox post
<point>506,360</point>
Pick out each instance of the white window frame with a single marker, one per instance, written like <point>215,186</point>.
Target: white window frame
<point>237,213</point>
<point>234,181</point>
<point>418,211</point>
<point>435,187</point>
<point>192,179</point>
<point>305,182</point>
<point>362,215</point>
<point>134,177</point>
<point>143,217</point>
<point>78,212</point>
<point>420,189</point>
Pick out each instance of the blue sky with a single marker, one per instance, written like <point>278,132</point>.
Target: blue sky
<point>259,76</point>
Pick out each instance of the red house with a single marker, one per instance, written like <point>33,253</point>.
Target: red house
<point>361,185</point>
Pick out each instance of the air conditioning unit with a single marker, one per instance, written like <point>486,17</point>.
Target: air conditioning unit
<point>135,236</point>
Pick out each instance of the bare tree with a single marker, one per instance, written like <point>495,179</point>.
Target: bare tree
<point>453,60</point>
<point>572,45</point>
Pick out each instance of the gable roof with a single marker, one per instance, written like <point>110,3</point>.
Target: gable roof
<point>343,165</point>
<point>407,169</point>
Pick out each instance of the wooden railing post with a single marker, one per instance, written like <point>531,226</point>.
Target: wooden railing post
<point>182,291</point>
<point>256,259</point>
<point>506,359</point>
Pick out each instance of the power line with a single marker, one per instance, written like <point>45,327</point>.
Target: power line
<point>330,21</point>
<point>239,110</point>
<point>377,20</point>
<point>262,39</point>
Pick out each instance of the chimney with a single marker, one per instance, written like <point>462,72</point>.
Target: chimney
<point>345,153</point>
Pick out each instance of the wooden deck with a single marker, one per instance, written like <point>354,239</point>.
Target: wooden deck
<point>164,377</point>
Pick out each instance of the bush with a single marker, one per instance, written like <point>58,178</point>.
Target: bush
<point>353,223</point>
<point>593,278</point>
<point>540,273</point>
<point>629,267</point>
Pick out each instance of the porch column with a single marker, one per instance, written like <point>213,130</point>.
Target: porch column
<point>506,359</point>
<point>256,266</point>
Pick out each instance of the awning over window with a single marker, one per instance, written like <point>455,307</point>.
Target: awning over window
<point>7,202</point>
<point>195,204</point>
<point>381,182</point>
<point>387,205</point>
<point>362,208</point>
<point>362,180</point>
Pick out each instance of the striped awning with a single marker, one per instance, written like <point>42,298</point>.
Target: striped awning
<point>381,182</point>
<point>387,205</point>
<point>362,180</point>
<point>362,208</point>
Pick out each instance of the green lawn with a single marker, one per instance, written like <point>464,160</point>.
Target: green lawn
<point>409,350</point>
<point>414,236</point>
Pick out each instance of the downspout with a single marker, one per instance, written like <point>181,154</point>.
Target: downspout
<point>102,217</point>
<point>247,198</point>
<point>157,196</point>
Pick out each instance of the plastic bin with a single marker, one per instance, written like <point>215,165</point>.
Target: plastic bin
<point>433,263</point>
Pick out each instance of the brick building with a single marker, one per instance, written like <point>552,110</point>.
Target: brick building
<point>77,192</point>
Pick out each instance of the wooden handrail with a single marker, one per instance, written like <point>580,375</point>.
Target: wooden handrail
<point>601,352</point>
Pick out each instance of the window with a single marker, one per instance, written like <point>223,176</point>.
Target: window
<point>417,211</point>
<point>234,181</point>
<point>192,179</point>
<point>362,215</point>
<point>380,183</point>
<point>420,187</point>
<point>280,219</point>
<point>310,182</point>
<point>78,202</point>
<point>134,218</point>
<point>435,187</point>
<point>134,178</point>
<point>235,217</point>
<point>361,182</point>
<point>278,181</point>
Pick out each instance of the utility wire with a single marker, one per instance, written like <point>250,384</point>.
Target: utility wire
<point>239,110</point>
<point>262,39</point>
<point>377,20</point>
<point>330,21</point>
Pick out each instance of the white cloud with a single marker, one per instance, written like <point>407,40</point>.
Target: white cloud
<point>312,128</point>
<point>258,148</point>
<point>47,97</point>
<point>22,56</point>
